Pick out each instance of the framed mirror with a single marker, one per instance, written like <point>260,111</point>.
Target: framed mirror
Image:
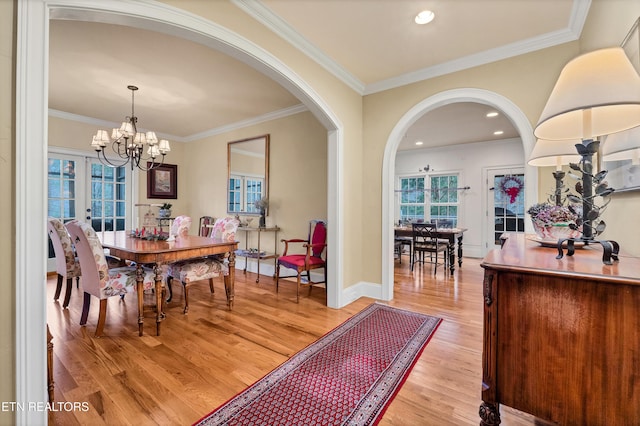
<point>248,174</point>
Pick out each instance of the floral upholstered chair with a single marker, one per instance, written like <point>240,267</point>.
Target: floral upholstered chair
<point>180,226</point>
<point>67,265</point>
<point>312,258</point>
<point>97,279</point>
<point>205,268</point>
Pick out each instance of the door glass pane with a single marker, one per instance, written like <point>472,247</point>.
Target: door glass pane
<point>106,214</point>
<point>509,204</point>
<point>61,194</point>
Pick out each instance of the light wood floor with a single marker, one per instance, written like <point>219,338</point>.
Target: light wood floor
<point>207,356</point>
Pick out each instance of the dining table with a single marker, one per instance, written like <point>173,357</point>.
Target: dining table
<point>452,235</point>
<point>156,252</point>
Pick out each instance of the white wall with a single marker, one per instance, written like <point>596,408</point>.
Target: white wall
<point>470,161</point>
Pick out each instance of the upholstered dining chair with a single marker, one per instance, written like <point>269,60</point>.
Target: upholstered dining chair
<point>97,279</point>
<point>314,246</point>
<point>67,265</point>
<point>426,241</point>
<point>180,226</point>
<point>204,268</point>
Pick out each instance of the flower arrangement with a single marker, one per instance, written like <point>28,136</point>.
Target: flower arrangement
<point>261,204</point>
<point>553,222</point>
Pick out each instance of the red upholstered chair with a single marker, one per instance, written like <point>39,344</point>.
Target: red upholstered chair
<point>206,225</point>
<point>315,246</point>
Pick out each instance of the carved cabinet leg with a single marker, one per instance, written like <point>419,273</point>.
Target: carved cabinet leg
<point>489,414</point>
<point>49,364</point>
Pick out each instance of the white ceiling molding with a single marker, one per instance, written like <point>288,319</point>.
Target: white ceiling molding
<point>285,112</point>
<point>264,15</point>
<point>477,59</point>
<point>276,24</point>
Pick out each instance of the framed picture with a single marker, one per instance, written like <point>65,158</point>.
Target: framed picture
<point>162,181</point>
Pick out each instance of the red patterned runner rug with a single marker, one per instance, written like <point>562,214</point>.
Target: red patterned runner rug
<point>347,377</point>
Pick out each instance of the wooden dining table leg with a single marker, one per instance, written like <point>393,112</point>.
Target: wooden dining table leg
<point>229,287</point>
<point>452,253</point>
<point>140,291</point>
<point>159,297</point>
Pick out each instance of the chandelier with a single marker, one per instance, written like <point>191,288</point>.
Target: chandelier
<point>129,144</point>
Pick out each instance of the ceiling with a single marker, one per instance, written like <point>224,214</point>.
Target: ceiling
<point>188,91</point>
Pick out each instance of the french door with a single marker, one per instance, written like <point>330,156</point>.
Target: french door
<point>505,203</point>
<point>80,187</point>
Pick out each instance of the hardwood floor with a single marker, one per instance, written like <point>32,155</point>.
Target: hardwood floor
<point>207,356</point>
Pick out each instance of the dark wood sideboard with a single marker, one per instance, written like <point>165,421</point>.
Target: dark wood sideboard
<point>561,337</point>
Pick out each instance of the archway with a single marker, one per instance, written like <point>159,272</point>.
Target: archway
<point>31,144</point>
<point>481,96</point>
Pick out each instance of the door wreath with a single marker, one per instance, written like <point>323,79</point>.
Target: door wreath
<point>511,186</point>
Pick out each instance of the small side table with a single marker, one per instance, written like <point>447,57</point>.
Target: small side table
<point>258,254</point>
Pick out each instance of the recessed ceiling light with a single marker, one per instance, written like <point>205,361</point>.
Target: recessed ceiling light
<point>498,132</point>
<point>492,114</point>
<point>419,143</point>
<point>424,17</point>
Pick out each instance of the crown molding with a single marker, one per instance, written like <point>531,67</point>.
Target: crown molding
<point>285,112</point>
<point>477,59</point>
<point>274,115</point>
<point>279,26</point>
<point>264,15</point>
<point>577,19</point>
<point>103,123</point>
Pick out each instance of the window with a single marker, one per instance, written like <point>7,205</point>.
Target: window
<point>444,199</point>
<point>441,202</point>
<point>412,199</point>
<point>244,191</point>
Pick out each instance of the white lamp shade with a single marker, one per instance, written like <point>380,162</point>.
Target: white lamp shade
<point>548,153</point>
<point>622,145</point>
<point>126,129</point>
<point>140,139</point>
<point>153,151</point>
<point>151,138</point>
<point>164,146</point>
<point>597,93</point>
<point>95,143</point>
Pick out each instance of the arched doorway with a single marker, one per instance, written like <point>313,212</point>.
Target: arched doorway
<point>31,144</point>
<point>481,96</point>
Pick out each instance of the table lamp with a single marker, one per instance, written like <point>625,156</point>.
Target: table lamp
<point>548,153</point>
<point>596,94</point>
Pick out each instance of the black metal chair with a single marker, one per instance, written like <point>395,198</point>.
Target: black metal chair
<point>400,243</point>
<point>425,241</point>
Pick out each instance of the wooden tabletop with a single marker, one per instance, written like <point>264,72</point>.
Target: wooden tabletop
<point>521,252</point>
<point>122,245</point>
<point>440,230</point>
